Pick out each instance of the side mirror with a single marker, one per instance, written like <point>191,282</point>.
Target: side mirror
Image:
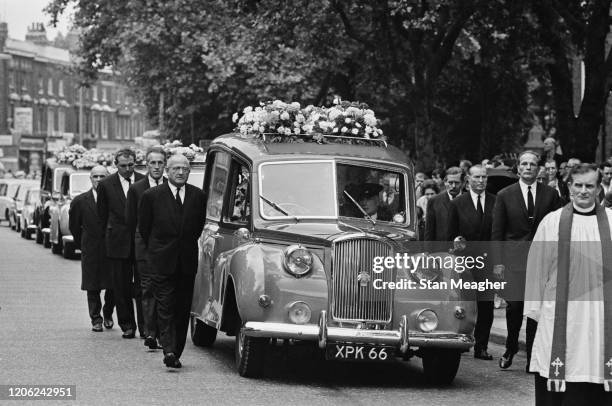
<point>459,245</point>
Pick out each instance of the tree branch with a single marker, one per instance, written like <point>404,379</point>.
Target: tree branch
<point>348,26</point>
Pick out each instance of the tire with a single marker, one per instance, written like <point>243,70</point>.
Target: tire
<point>39,236</point>
<point>46,240</point>
<point>68,250</point>
<point>57,248</point>
<point>202,335</point>
<point>23,234</point>
<point>250,353</point>
<point>440,366</point>
<point>18,226</point>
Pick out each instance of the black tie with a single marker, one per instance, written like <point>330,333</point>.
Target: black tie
<point>530,205</point>
<point>128,180</point>
<point>479,208</point>
<point>179,203</point>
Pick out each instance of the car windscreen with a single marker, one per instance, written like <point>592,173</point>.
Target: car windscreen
<point>298,188</point>
<point>371,192</point>
<point>79,183</point>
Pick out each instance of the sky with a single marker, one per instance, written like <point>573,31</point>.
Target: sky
<point>19,14</point>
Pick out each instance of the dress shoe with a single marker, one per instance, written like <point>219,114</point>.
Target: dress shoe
<point>129,333</point>
<point>171,361</point>
<point>97,327</point>
<point>108,323</point>
<point>483,354</point>
<point>151,342</point>
<point>506,360</point>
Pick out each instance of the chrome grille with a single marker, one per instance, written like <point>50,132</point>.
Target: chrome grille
<point>352,300</point>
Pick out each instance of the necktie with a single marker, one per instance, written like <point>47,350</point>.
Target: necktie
<point>179,203</point>
<point>530,205</point>
<point>479,207</point>
<point>129,182</point>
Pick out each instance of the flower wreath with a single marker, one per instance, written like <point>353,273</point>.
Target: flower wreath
<point>278,121</point>
<point>176,147</point>
<point>81,158</point>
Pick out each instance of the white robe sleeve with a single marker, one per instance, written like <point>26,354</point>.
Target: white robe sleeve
<point>539,264</point>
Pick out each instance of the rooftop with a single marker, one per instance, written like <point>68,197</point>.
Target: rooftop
<point>39,52</point>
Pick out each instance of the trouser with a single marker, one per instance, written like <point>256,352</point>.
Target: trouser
<point>137,295</point>
<point>514,321</point>
<point>148,306</point>
<point>173,296</point>
<point>123,273</point>
<point>576,394</point>
<point>95,305</point>
<point>483,325</point>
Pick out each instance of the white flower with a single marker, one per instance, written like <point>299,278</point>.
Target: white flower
<point>255,127</point>
<point>296,130</point>
<point>280,130</point>
<point>355,131</point>
<point>368,129</point>
<point>343,130</point>
<point>357,125</point>
<point>335,130</point>
<point>370,120</point>
<point>379,131</point>
<point>247,109</point>
<point>295,105</point>
<point>284,116</point>
<point>307,128</point>
<point>244,128</point>
<point>334,113</point>
<point>347,120</point>
<point>300,118</point>
<point>235,117</point>
<point>288,131</point>
<point>336,100</point>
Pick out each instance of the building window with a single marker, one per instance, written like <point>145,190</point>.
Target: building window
<point>94,91</point>
<point>104,119</point>
<point>104,99</point>
<point>60,88</point>
<point>41,85</point>
<point>50,87</point>
<point>50,121</point>
<point>61,119</point>
<point>12,80</point>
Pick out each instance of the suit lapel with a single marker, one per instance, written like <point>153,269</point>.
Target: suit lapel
<point>520,200</point>
<point>119,189</point>
<point>171,204</point>
<point>91,202</point>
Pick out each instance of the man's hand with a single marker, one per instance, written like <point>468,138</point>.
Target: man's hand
<point>498,271</point>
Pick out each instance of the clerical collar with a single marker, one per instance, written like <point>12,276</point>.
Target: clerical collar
<point>585,212</point>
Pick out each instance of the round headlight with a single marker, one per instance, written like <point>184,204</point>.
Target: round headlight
<point>299,313</point>
<point>427,320</point>
<point>298,260</point>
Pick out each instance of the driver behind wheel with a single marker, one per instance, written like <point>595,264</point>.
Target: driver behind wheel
<point>368,197</point>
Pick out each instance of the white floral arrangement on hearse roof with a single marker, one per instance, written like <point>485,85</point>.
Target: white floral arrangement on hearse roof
<point>82,158</point>
<point>289,122</point>
<point>176,147</point>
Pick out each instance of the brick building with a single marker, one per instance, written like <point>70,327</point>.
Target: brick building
<point>40,103</point>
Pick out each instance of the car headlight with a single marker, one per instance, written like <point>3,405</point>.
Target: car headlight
<point>298,260</point>
<point>427,320</point>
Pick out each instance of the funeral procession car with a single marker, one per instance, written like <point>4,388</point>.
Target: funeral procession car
<point>15,210</point>
<point>291,234</point>
<point>49,194</point>
<point>73,183</point>
<point>27,225</point>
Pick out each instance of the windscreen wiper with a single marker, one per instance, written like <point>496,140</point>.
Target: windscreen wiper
<point>366,215</point>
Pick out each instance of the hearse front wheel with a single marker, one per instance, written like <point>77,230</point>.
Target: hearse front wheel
<point>440,365</point>
<point>250,354</point>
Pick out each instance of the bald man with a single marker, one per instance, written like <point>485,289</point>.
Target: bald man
<point>86,229</point>
<point>170,221</point>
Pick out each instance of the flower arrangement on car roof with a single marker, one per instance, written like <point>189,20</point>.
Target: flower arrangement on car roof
<point>82,158</point>
<point>176,147</point>
<point>289,122</point>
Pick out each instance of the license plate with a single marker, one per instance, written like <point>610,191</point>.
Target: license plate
<point>358,352</point>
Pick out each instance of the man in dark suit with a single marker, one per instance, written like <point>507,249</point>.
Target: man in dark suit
<point>146,309</point>
<point>170,220</point>
<point>367,196</point>
<point>606,177</point>
<point>112,194</point>
<point>88,234</point>
<point>436,219</point>
<point>471,217</point>
<point>518,210</point>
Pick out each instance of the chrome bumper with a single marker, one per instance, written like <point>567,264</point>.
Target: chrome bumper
<point>322,333</point>
<point>67,239</point>
<point>32,227</point>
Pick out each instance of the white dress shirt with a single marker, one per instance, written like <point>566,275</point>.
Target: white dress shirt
<point>125,184</point>
<point>95,195</point>
<point>181,192</point>
<point>475,199</point>
<point>153,182</point>
<point>524,191</point>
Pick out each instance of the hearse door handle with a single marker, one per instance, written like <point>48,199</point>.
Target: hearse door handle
<point>216,236</point>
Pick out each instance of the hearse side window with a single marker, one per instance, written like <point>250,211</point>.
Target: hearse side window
<point>218,182</point>
<point>239,208</point>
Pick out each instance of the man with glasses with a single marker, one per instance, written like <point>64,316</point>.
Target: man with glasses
<point>436,221</point>
<point>146,309</point>
<point>170,220</point>
<point>112,196</point>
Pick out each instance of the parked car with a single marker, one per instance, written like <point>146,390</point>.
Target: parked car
<point>27,224</point>
<point>15,210</point>
<point>286,254</point>
<point>73,183</point>
<point>8,193</point>
<point>49,195</point>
